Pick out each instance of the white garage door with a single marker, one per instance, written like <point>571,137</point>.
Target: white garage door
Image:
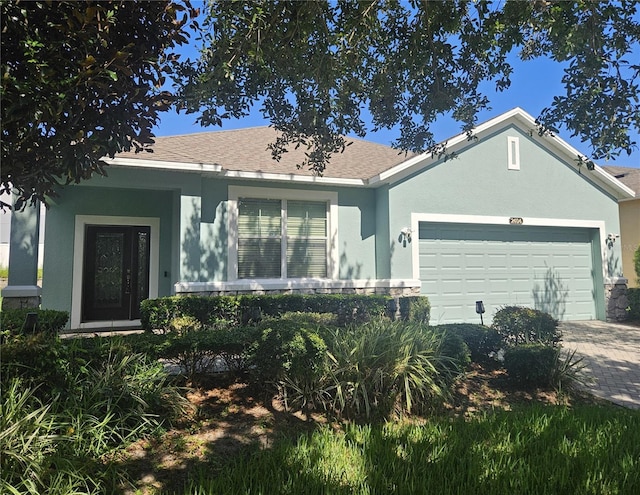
<point>548,268</point>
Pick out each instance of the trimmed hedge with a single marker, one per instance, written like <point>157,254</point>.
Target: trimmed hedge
<point>633,295</point>
<point>519,325</point>
<point>455,349</point>
<point>286,350</point>
<point>480,340</point>
<point>222,311</point>
<point>349,308</point>
<point>415,309</point>
<point>49,320</point>
<point>159,314</point>
<point>531,365</point>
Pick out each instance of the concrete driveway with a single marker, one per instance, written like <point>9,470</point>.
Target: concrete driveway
<point>612,354</point>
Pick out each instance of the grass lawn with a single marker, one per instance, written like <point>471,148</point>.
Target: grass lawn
<point>550,450</point>
<point>489,439</point>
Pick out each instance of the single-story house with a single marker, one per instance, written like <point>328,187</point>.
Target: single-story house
<point>629,220</point>
<point>508,217</point>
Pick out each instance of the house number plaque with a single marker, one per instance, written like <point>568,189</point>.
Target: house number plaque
<point>516,220</point>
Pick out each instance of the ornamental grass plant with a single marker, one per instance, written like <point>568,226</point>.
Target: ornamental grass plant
<point>60,446</point>
<point>387,367</point>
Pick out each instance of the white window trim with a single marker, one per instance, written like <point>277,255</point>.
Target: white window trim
<point>78,263</point>
<point>236,192</point>
<point>513,153</point>
<point>416,218</point>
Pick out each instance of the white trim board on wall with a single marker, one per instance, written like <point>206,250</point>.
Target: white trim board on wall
<point>416,218</point>
<point>78,261</point>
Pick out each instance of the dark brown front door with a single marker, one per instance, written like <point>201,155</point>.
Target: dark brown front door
<point>116,272</point>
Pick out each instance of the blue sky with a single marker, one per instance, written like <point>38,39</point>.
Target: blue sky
<point>533,86</point>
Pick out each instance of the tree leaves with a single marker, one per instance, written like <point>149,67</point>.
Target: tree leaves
<point>315,67</point>
<point>80,82</point>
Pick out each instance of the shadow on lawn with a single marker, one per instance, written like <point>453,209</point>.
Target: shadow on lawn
<point>234,420</point>
<point>231,419</point>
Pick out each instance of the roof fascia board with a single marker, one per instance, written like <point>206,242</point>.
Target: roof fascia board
<point>155,164</point>
<point>624,192</point>
<point>630,199</point>
<point>231,174</point>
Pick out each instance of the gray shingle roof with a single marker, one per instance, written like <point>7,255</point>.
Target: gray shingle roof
<point>630,177</point>
<point>245,150</point>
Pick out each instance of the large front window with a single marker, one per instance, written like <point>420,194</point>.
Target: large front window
<point>282,238</point>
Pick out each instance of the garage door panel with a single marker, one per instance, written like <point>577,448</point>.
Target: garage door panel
<point>533,266</point>
<point>448,287</point>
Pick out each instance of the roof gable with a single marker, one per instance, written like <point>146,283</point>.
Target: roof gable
<point>526,123</point>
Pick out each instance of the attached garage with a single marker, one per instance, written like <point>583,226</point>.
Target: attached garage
<point>546,267</point>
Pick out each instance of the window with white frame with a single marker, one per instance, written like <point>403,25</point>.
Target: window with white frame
<point>513,153</point>
<point>281,238</point>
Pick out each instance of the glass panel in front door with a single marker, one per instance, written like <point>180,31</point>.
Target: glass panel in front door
<point>141,267</point>
<point>109,268</point>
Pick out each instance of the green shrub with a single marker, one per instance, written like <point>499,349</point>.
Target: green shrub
<point>284,348</point>
<point>348,308</point>
<point>540,365</point>
<point>293,360</point>
<point>192,352</point>
<point>480,340</point>
<point>185,324</point>
<point>39,358</point>
<point>162,313</point>
<point>166,313</point>
<point>95,349</point>
<point>383,368</point>
<point>454,349</point>
<point>310,319</point>
<point>233,346</point>
<point>518,325</point>
<point>415,309</point>
<point>633,295</point>
<point>49,321</point>
<point>531,364</point>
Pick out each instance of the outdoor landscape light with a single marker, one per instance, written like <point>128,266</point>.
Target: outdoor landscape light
<point>480,310</point>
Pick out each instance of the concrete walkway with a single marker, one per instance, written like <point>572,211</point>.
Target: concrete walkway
<point>612,354</point>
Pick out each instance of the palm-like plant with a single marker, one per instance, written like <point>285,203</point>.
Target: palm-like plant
<point>386,366</point>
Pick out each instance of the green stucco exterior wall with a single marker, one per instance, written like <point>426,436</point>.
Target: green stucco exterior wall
<point>99,201</point>
<point>194,212</point>
<point>477,182</point>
